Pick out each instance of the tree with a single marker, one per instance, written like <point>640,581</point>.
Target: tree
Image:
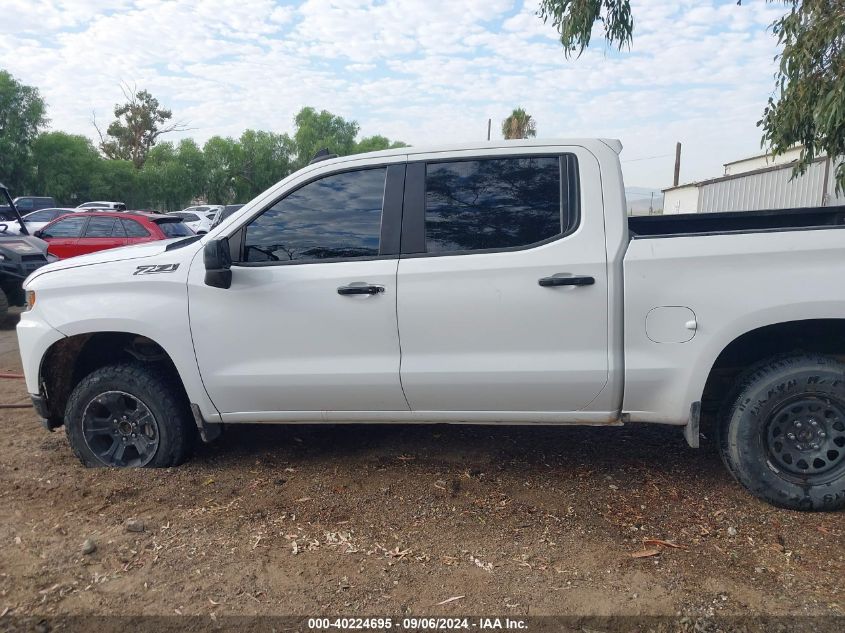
<point>219,153</point>
<point>376,143</point>
<point>318,130</point>
<point>118,180</point>
<point>519,124</point>
<point>137,126</point>
<point>809,105</point>
<point>574,20</point>
<point>22,115</point>
<point>164,179</point>
<point>261,160</point>
<point>66,166</point>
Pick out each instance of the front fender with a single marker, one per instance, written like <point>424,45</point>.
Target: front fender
<point>124,296</point>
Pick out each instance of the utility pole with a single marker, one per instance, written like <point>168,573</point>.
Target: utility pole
<point>489,124</point>
<point>677,179</point>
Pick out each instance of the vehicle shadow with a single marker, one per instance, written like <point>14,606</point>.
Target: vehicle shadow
<point>447,447</point>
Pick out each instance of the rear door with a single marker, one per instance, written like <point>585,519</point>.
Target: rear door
<point>63,235</point>
<point>102,233</point>
<point>502,300</point>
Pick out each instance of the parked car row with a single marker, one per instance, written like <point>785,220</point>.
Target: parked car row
<point>107,224</point>
<point>72,235</point>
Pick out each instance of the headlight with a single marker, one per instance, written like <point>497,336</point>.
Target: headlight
<point>2,257</point>
<point>30,299</point>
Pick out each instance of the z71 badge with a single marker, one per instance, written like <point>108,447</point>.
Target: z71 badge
<point>155,269</point>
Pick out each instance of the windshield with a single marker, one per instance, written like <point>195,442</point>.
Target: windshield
<point>186,217</point>
<point>45,215</point>
<point>175,229</point>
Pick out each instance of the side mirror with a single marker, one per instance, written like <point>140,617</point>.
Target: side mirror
<point>39,234</point>
<point>218,263</point>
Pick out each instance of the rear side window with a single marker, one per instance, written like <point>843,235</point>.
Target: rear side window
<point>100,227</point>
<point>175,229</point>
<point>66,227</point>
<point>500,203</point>
<point>133,228</point>
<point>338,216</point>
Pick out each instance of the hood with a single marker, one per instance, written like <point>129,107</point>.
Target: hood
<point>136,251</point>
<point>22,244</point>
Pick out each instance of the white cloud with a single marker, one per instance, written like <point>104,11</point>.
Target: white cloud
<point>424,71</point>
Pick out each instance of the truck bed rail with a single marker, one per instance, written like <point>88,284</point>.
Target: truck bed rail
<point>736,222</point>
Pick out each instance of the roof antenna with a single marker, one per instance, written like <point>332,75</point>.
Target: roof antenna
<point>323,154</point>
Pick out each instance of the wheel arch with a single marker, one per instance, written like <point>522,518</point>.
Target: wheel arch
<point>817,336</point>
<point>67,361</point>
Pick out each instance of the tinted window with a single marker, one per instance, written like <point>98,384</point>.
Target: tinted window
<point>24,205</point>
<point>188,217</point>
<point>66,227</point>
<point>175,229</point>
<point>493,203</point>
<point>133,228</point>
<point>100,227</point>
<point>336,216</point>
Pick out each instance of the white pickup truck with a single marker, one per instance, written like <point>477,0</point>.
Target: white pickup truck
<point>495,283</point>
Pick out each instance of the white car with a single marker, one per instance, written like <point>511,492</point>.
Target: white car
<point>199,223</point>
<point>495,283</point>
<point>211,212</point>
<point>34,221</point>
<point>101,205</point>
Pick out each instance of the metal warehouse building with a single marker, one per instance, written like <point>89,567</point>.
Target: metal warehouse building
<point>758,182</point>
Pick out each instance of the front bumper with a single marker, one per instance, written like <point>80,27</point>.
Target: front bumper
<point>35,336</point>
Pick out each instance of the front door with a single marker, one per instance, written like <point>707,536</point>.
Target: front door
<point>309,322</point>
<point>503,289</point>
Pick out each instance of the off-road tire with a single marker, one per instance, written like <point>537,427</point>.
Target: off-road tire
<point>151,384</point>
<point>4,306</point>
<point>761,409</point>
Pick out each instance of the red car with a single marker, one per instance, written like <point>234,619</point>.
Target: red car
<point>91,231</point>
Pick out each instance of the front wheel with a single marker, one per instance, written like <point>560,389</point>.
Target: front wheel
<point>783,437</point>
<point>4,305</point>
<point>129,415</point>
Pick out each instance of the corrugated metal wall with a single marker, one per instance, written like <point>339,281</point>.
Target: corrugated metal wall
<point>832,198</point>
<point>768,190</point>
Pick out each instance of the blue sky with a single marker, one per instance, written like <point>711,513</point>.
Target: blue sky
<point>423,71</point>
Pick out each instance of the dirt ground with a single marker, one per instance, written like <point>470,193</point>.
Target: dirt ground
<point>392,520</point>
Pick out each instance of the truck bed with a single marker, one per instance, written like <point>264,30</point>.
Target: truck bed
<point>735,222</point>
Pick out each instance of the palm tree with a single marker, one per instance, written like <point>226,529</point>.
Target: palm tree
<point>519,124</point>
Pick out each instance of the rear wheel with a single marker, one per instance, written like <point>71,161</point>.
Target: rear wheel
<point>783,436</point>
<point>129,416</point>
